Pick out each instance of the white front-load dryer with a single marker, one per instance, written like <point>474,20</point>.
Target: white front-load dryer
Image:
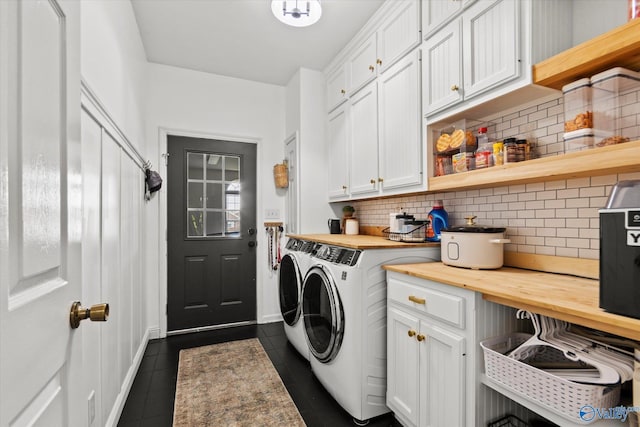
<point>293,267</point>
<point>345,315</point>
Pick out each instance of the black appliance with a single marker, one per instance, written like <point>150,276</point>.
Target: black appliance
<point>620,250</point>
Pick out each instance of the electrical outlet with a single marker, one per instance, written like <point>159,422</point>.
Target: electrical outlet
<point>272,213</point>
<point>92,406</point>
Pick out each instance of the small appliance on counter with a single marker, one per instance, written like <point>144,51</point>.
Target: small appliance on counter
<point>334,226</point>
<point>620,250</point>
<point>473,246</point>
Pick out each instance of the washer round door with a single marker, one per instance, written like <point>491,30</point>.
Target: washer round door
<point>323,314</point>
<point>290,288</point>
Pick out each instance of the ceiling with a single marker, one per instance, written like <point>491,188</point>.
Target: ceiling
<point>242,38</point>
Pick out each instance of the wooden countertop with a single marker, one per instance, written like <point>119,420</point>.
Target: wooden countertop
<point>360,241</point>
<point>569,298</point>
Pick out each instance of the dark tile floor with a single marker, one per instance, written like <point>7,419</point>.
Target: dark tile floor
<point>150,402</point>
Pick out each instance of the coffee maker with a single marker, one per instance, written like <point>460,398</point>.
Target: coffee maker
<point>620,250</point>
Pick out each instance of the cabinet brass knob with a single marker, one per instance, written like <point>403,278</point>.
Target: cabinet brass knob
<point>371,68</point>
<point>420,337</point>
<point>342,91</point>
<point>454,88</point>
<point>372,181</point>
<point>380,179</point>
<point>379,61</point>
<point>417,300</point>
<point>344,187</point>
<point>411,333</point>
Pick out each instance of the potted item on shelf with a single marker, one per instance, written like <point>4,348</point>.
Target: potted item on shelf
<point>348,211</point>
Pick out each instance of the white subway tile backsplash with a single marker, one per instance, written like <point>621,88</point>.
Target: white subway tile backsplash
<point>552,218</point>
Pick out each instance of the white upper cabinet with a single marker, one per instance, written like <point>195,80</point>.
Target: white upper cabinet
<point>399,33</point>
<point>399,122</point>
<point>362,64</point>
<point>486,52</point>
<point>338,155</point>
<point>442,69</point>
<point>490,44</point>
<point>436,13</point>
<point>337,85</point>
<point>363,109</point>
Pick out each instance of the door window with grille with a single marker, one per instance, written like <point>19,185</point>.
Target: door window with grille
<point>213,195</point>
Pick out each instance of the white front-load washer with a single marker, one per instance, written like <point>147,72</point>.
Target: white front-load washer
<point>345,315</point>
<point>293,267</point>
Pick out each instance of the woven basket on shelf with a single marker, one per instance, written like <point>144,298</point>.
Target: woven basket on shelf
<point>281,175</point>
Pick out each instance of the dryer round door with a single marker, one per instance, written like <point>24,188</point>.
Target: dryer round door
<point>323,314</point>
<point>289,288</point>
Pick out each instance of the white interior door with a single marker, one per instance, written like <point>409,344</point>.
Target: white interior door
<point>40,214</point>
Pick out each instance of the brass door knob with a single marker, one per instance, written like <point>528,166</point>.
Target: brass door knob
<point>454,88</point>
<point>421,337</point>
<point>411,333</point>
<point>97,313</point>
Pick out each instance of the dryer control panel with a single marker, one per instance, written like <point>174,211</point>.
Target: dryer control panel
<point>337,255</point>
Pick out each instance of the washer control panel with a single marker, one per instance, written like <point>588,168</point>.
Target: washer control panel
<point>336,255</point>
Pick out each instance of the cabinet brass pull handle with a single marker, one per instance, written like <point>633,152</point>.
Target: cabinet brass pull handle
<point>454,88</point>
<point>411,333</point>
<point>417,300</point>
<point>421,337</point>
<point>371,68</point>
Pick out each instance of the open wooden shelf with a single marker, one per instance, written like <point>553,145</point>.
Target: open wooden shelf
<point>621,158</point>
<point>619,47</point>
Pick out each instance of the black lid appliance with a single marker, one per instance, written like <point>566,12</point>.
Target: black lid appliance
<point>620,250</point>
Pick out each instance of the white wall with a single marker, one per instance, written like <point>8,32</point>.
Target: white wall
<point>113,67</point>
<point>594,17</point>
<point>306,112</point>
<point>190,102</point>
<point>114,63</point>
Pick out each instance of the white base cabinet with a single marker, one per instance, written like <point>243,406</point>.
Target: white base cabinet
<point>434,360</point>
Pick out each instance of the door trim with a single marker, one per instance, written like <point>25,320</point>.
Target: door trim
<point>163,134</point>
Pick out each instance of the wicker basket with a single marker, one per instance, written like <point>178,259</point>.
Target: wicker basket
<point>281,175</point>
<point>558,395</point>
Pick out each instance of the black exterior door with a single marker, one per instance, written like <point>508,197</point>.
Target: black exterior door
<point>211,190</point>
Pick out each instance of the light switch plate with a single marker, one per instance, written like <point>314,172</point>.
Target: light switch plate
<point>272,213</point>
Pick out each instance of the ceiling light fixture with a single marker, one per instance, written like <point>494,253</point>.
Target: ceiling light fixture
<point>297,13</point>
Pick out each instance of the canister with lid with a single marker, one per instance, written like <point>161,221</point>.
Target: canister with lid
<point>510,150</point>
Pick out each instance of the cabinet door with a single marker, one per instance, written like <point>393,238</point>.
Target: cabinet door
<point>362,64</point>
<point>442,69</point>
<point>402,364</point>
<point>436,13</point>
<point>399,124</point>
<point>399,33</point>
<point>336,87</point>
<point>491,40</point>
<point>442,386</point>
<point>363,110</point>
<point>338,155</point>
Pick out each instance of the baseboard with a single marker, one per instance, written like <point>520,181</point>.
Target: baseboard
<point>271,318</point>
<point>154,333</point>
<point>121,399</point>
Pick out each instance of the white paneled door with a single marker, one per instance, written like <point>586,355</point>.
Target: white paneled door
<point>40,214</point>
